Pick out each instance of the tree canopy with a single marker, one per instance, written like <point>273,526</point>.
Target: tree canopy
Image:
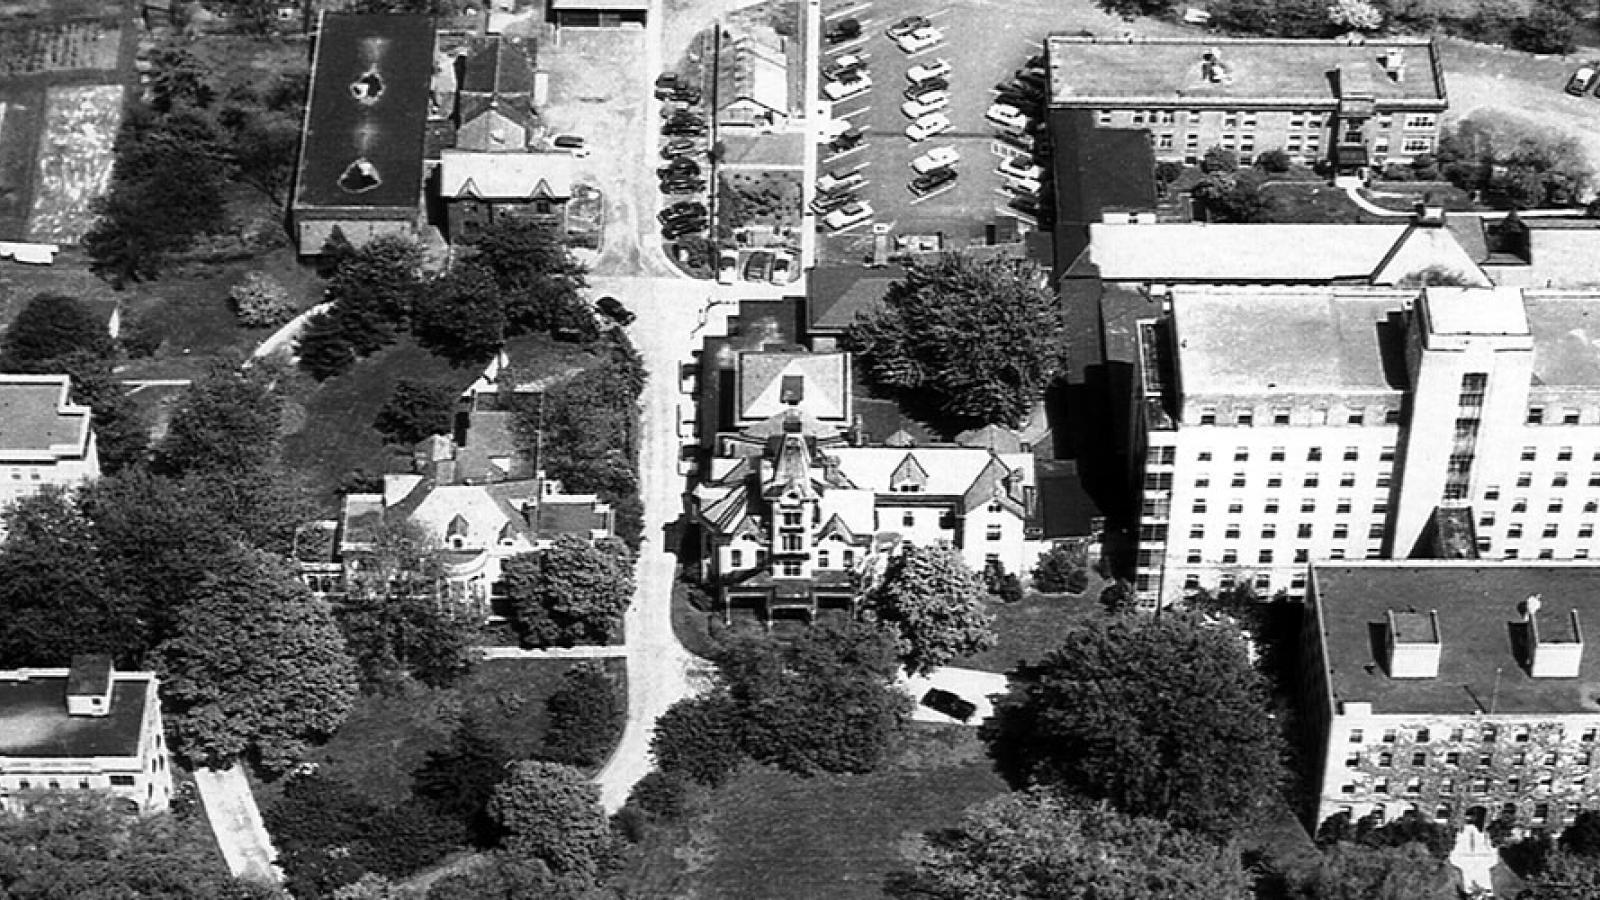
<point>934,606</point>
<point>1163,717</point>
<point>574,592</point>
<point>228,421</point>
<point>257,665</point>
<point>48,330</point>
<point>1036,844</point>
<point>967,340</point>
<point>552,813</point>
<point>1352,871</point>
<point>1515,161</point>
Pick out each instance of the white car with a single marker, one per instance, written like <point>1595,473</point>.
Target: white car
<point>844,90</point>
<point>847,215</point>
<point>1006,115</point>
<point>928,126</point>
<point>927,103</point>
<point>939,68</point>
<point>1022,167</point>
<point>937,158</point>
<point>834,181</point>
<point>920,40</point>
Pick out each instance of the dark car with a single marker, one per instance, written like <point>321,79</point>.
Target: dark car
<point>683,209</point>
<point>612,308</point>
<point>843,30</point>
<point>680,227</point>
<point>923,88</point>
<point>666,83</point>
<point>680,147</point>
<point>683,127</point>
<point>952,705</point>
<point>828,202</point>
<point>683,186</point>
<point>848,68</point>
<point>931,181</point>
<point>681,166</point>
<point>907,25</point>
<point>686,94</point>
<point>847,140</point>
<point>758,266</point>
<point>568,142</point>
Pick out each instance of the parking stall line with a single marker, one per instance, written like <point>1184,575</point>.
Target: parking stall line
<point>941,191</point>
<point>849,228</point>
<point>926,50</point>
<point>854,112</point>
<point>856,149</point>
<point>844,12</point>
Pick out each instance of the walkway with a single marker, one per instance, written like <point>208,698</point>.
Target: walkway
<point>236,821</point>
<point>553,652</point>
<point>1360,199</point>
<point>282,338</point>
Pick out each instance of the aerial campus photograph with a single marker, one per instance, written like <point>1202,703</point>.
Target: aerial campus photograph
<point>799,449</point>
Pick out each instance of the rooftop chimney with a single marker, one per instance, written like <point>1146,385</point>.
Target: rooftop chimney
<point>89,685</point>
<point>1557,652</point>
<point>1413,644</point>
<point>1394,63</point>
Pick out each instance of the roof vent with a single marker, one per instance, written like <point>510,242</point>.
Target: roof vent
<point>359,177</point>
<point>1212,68</point>
<point>367,88</point>
<point>1394,63</point>
<point>1556,651</point>
<point>1413,644</point>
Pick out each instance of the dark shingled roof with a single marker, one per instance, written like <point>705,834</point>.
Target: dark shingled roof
<point>34,720</point>
<point>388,131</point>
<point>1481,632</point>
<point>839,293</point>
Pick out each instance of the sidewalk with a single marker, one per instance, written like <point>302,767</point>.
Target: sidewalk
<point>236,821</point>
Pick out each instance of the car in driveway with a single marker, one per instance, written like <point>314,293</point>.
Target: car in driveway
<point>931,181</point>
<point>831,200</point>
<point>848,215</point>
<point>666,83</point>
<point>939,68</point>
<point>683,209</point>
<point>687,94</point>
<point>928,126</point>
<point>951,704</point>
<point>838,180</point>
<point>1582,80</point>
<point>758,265</point>
<point>921,88</point>
<point>927,103</point>
<point>681,166</point>
<point>843,30</point>
<point>612,308</point>
<point>683,185</point>
<point>844,90</point>
<point>920,40</point>
<point>908,25</point>
<point>937,158</point>
<point>1021,167</point>
<point>843,66</point>
<point>1006,116</point>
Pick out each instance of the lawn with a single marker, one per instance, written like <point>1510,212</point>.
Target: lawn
<point>1304,201</point>
<point>777,836</point>
<point>1033,626</point>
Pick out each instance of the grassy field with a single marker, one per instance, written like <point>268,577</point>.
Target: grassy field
<point>777,836</point>
<point>1032,627</point>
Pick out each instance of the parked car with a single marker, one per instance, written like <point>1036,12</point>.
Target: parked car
<point>843,30</point>
<point>758,265</point>
<point>666,83</point>
<point>1038,78</point>
<point>683,186</point>
<point>572,143</point>
<point>918,89</point>
<point>848,139</point>
<point>1021,167</point>
<point>612,308</point>
<point>847,215</point>
<point>1028,186</point>
<point>939,68</point>
<point>684,127</point>
<point>727,266</point>
<point>682,208</point>
<point>1582,80</point>
<point>837,180</point>
<point>680,147</point>
<point>1006,115</point>
<point>680,166</point>
<point>829,201</point>
<point>927,103</point>
<point>1019,139</point>
<point>782,267</point>
<point>1029,106</point>
<point>1027,204</point>
<point>680,227</point>
<point>920,40</point>
<point>1032,94</point>
<point>687,94</point>
<point>928,182</point>
<point>843,66</point>
<point>928,126</point>
<point>907,25</point>
<point>845,89</point>
<point>937,158</point>
<point>952,705</point>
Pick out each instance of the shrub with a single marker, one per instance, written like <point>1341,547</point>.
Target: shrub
<point>698,739</point>
<point>1168,171</point>
<point>1055,568</point>
<point>417,409</point>
<point>1219,159</point>
<point>261,302</point>
<point>1547,28</point>
<point>586,718</point>
<point>631,823</point>
<point>1274,161</point>
<point>664,795</point>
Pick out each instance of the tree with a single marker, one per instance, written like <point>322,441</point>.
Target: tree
<point>417,409</point>
<point>537,275</point>
<point>1061,569</point>
<point>970,340</point>
<point>1276,161</point>
<point>80,846</point>
<point>1233,197</point>
<point>1565,876</point>
<point>51,328</point>
<point>1118,597</point>
<point>1355,15</point>
<point>261,302</point>
<point>1130,9</point>
<point>1219,159</point>
<point>552,813</point>
<point>228,421</point>
<point>458,780</point>
<point>396,617</point>
<point>1582,837</point>
<point>1547,28</point>
<point>502,875</point>
<point>257,665</point>
<point>585,716</point>
<point>461,316</point>
<point>574,592</point>
<point>1105,716</point>
<point>698,738</point>
<point>324,347</point>
<point>382,278</point>
<point>933,605</point>
<point>1272,18</point>
<point>1515,161</point>
<point>121,434</point>
<point>1035,844</point>
<point>56,598</point>
<point>1364,872</point>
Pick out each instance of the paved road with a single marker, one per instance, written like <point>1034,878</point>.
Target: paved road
<point>236,821</point>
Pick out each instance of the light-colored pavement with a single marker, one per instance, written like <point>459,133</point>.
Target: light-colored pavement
<point>236,821</point>
<point>553,653</point>
<point>971,685</point>
<point>285,336</point>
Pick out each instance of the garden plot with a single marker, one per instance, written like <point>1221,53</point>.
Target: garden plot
<point>20,114</point>
<point>60,47</point>
<point>74,160</point>
<point>759,208</point>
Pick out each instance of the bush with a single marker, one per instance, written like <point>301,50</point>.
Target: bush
<point>1218,159</point>
<point>1168,171</point>
<point>663,795</point>
<point>1547,28</point>
<point>631,823</point>
<point>261,302</point>
<point>417,409</point>
<point>1275,161</point>
<point>1055,567</point>
<point>586,717</point>
<point>698,740</point>
<point>1399,172</point>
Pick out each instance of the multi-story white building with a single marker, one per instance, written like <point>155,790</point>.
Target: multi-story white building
<point>87,727</point>
<point>1460,689</point>
<point>45,439</point>
<point>1287,425</point>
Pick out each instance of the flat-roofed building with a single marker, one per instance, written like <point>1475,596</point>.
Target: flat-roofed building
<point>87,727</point>
<point>1460,689</point>
<point>45,439</point>
<point>1355,103</point>
<point>361,156</point>
<point>1288,425</point>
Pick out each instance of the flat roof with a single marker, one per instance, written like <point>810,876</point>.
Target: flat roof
<point>36,421</point>
<point>34,720</point>
<point>1099,169</point>
<point>1480,628</point>
<point>607,5</point>
<point>838,294</point>
<point>1258,340</point>
<point>1475,311</point>
<point>1565,327</point>
<point>1169,71</point>
<point>1276,252</point>
<point>368,112</point>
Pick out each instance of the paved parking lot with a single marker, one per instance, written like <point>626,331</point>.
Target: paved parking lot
<point>984,42</point>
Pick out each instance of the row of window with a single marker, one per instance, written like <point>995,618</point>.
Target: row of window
<point>1476,786</point>
<point>1569,416</point>
<point>1249,118</point>
<point>1452,758</point>
<point>1269,531</point>
<point>1539,813</point>
<point>1167,455</point>
<point>1269,557</point>
<point>1309,480</point>
<point>54,784</point>
<point>1283,415</point>
<point>1487,733</point>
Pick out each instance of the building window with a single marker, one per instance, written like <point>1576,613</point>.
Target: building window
<point>1199,506</point>
<point>1514,530</point>
<point>1529,454</point>
<point>1193,559</point>
<point>1245,418</point>
<point>1559,480</point>
<point>1564,454</point>
<point>1208,415</point>
<point>736,558</point>
<point>1555,506</point>
<point>1340,532</point>
<point>1343,507</point>
<point>992,533</point>
<point>1312,480</point>
<point>1303,531</point>
<point>849,558</point>
<point>1519,505</point>
<point>1421,120</point>
<point>1314,454</point>
<point>1417,145</point>
<point>1308,506</point>
<point>1230,557</point>
<point>1232,532</point>
<point>908,519</point>
<point>1386,454</point>
<point>1492,492</point>
<point>1202,482</point>
<point>116,781</point>
<point>1357,418</point>
<point>791,543</point>
<point>1269,531</point>
<point>1356,736</point>
<point>1264,557</point>
<point>1524,479</point>
<point>1347,479</point>
<point>823,560</point>
<point>1551,531</point>
<point>1271,506</point>
<point>1238,480</point>
<point>1535,415</point>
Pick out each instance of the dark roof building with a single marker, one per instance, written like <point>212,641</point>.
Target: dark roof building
<point>837,294</point>
<point>361,155</point>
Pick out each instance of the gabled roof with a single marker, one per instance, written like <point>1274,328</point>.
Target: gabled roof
<point>1281,253</point>
<point>497,66</point>
<point>505,176</point>
<point>823,384</point>
<point>838,294</point>
<point>908,472</point>
<point>753,70</point>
